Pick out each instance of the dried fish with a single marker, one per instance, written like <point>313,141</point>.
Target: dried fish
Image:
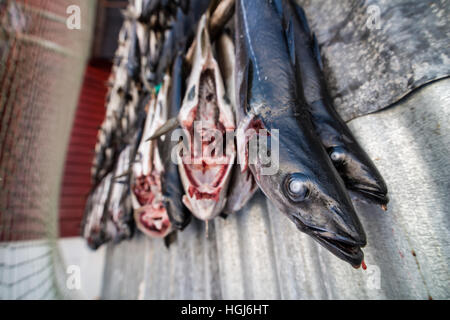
<point>305,185</point>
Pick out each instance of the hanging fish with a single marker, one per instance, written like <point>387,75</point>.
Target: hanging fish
<point>97,229</point>
<point>305,185</point>
<point>119,206</point>
<point>242,185</point>
<point>206,115</point>
<point>120,117</point>
<point>150,214</point>
<point>182,30</point>
<point>172,188</point>
<point>349,158</point>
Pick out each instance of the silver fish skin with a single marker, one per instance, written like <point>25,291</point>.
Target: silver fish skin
<point>305,186</point>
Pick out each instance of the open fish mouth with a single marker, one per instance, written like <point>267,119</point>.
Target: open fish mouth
<point>351,253</point>
<point>153,220</point>
<point>206,115</point>
<point>151,217</point>
<point>346,249</point>
<point>372,193</point>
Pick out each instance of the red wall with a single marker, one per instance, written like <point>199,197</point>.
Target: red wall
<point>88,118</point>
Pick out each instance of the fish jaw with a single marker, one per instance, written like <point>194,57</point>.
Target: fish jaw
<point>348,251</point>
<point>346,248</point>
<point>153,220</point>
<point>339,231</point>
<point>205,200</point>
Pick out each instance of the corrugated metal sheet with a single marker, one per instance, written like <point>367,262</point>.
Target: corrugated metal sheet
<point>259,254</point>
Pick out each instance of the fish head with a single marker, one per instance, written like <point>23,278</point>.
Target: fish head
<point>310,192</point>
<point>207,118</point>
<point>177,212</point>
<point>150,214</point>
<point>95,239</point>
<point>359,172</point>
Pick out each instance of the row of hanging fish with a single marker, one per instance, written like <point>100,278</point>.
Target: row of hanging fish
<point>246,69</point>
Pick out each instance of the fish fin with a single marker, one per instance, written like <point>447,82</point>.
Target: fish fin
<point>123,175</point>
<point>290,36</point>
<point>316,51</point>
<point>242,107</point>
<point>166,127</point>
<point>302,16</point>
<point>241,142</point>
<point>245,133</point>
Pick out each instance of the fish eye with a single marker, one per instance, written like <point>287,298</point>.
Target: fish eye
<point>337,154</point>
<point>296,187</point>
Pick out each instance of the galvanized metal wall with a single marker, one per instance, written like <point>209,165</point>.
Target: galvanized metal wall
<point>259,254</point>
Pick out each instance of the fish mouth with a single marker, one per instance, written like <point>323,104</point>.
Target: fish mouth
<point>344,248</point>
<point>373,193</point>
<point>153,221</point>
<point>96,239</point>
<point>349,252</point>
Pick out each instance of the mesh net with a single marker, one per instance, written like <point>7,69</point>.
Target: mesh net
<point>41,67</point>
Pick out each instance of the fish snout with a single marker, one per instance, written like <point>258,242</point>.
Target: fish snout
<point>96,239</point>
<point>359,173</point>
<point>344,242</point>
<point>178,215</point>
<point>347,227</point>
